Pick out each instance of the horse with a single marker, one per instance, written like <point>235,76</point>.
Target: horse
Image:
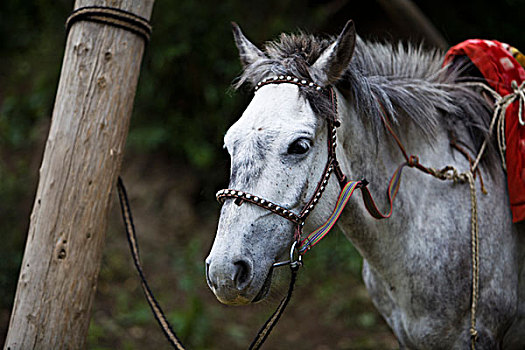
<point>417,264</point>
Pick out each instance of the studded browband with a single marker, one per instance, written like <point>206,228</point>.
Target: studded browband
<point>331,164</point>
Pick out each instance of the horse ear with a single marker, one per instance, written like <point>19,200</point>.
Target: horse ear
<point>334,60</point>
<point>248,52</point>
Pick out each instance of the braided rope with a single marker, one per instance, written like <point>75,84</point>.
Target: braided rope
<point>498,121</point>
<point>452,174</point>
<point>449,173</point>
<point>111,16</point>
<point>475,259</point>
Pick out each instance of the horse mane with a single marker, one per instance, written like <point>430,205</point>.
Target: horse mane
<point>408,81</point>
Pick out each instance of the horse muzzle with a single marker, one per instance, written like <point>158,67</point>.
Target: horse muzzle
<point>232,280</point>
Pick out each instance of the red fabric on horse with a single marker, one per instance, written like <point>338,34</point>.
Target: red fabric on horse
<point>495,61</point>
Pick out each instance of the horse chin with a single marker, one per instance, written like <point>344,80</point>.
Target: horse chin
<point>265,288</point>
<point>239,300</point>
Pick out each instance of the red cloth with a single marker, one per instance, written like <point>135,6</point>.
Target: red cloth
<point>500,68</point>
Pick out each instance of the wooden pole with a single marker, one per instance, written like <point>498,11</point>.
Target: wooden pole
<point>82,159</point>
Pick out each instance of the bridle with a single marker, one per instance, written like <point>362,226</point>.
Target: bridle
<point>298,247</point>
<point>331,166</point>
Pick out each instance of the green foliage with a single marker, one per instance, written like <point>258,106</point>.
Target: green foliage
<point>184,104</point>
<point>31,46</point>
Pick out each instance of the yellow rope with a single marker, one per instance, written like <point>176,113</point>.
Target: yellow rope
<point>475,260</point>
<point>452,174</point>
<point>498,121</point>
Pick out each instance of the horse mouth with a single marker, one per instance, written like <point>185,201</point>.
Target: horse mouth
<point>265,287</point>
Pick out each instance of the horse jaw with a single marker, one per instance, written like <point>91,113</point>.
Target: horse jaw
<point>250,239</point>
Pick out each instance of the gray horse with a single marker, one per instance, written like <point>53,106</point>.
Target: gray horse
<point>417,264</point>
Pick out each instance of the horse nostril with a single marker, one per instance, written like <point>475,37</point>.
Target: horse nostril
<point>242,274</point>
<point>211,283</point>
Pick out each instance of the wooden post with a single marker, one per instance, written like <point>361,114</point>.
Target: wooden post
<point>82,159</point>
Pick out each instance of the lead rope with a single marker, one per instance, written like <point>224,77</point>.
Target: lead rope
<point>266,329</point>
<point>133,246</point>
<point>163,322</point>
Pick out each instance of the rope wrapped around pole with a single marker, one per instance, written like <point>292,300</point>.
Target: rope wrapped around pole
<point>111,16</point>
<point>81,161</point>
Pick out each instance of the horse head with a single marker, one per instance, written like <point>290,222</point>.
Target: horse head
<point>278,152</point>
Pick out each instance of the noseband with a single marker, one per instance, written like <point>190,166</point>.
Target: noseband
<point>332,165</point>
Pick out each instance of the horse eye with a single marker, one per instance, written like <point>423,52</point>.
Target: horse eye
<point>299,146</point>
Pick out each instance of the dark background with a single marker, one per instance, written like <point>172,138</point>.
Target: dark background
<point>174,163</point>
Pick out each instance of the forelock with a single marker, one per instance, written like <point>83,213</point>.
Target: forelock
<point>290,54</point>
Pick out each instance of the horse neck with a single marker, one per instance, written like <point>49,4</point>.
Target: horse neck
<point>365,155</point>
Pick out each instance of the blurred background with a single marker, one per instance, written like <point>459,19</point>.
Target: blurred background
<point>175,163</point>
